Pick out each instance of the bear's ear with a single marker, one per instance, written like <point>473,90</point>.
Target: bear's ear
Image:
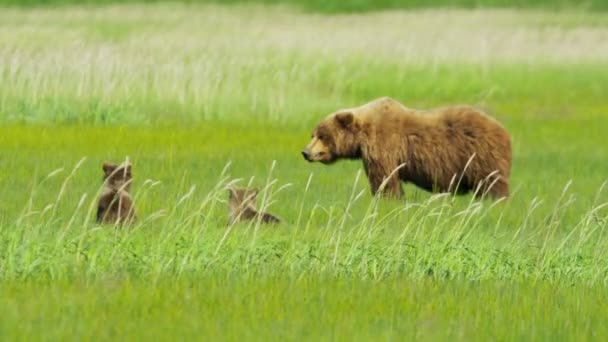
<point>345,119</point>
<point>108,167</point>
<point>232,192</point>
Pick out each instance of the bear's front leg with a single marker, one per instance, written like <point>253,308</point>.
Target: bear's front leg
<point>384,180</point>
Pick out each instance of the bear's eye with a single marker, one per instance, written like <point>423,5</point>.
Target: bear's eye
<point>322,137</point>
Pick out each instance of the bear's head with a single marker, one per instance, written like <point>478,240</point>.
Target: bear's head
<point>117,177</point>
<point>241,198</point>
<point>334,138</point>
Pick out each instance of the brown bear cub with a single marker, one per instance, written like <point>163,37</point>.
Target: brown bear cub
<point>454,149</point>
<point>241,207</point>
<point>115,203</point>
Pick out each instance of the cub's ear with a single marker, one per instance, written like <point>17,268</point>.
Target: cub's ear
<point>345,119</point>
<point>231,192</point>
<point>234,190</point>
<point>108,167</point>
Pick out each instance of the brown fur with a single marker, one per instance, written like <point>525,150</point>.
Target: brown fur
<point>241,207</point>
<point>434,147</point>
<point>115,203</point>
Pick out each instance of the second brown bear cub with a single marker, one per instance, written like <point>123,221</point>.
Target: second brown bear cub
<point>115,203</point>
<point>455,149</point>
<point>241,206</point>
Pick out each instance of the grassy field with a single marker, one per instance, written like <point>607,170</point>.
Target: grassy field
<point>199,96</point>
<point>350,6</point>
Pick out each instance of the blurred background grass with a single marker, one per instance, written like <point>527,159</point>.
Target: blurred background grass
<point>338,6</point>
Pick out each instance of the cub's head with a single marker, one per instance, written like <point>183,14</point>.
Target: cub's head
<point>117,177</point>
<point>334,138</point>
<point>242,197</point>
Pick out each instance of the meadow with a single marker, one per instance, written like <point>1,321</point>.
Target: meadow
<point>199,96</point>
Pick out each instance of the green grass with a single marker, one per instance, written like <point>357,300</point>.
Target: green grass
<point>200,96</point>
<point>335,6</point>
<point>260,309</point>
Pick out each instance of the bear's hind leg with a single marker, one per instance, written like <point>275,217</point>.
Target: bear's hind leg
<point>497,189</point>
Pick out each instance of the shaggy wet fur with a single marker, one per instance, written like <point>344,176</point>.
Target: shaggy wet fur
<point>115,203</point>
<point>454,149</point>
<point>241,207</point>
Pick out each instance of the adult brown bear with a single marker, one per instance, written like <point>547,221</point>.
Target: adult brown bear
<point>454,149</point>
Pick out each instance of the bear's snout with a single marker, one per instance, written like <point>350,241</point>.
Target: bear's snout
<point>306,155</point>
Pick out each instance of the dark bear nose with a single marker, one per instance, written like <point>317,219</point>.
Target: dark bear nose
<point>305,155</point>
